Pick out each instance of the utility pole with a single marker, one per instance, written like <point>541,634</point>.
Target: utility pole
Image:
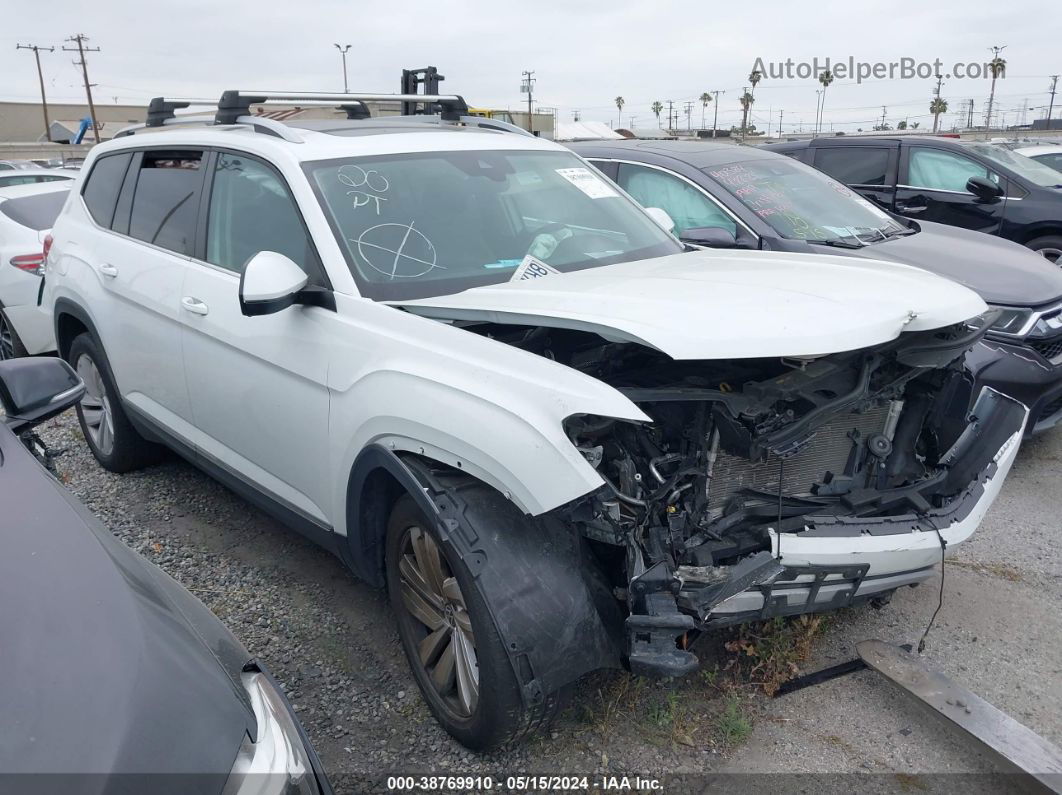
<point>969,115</point>
<point>1051,106</point>
<point>81,38</point>
<point>40,77</point>
<point>343,52</point>
<point>689,110</point>
<point>528,85</point>
<point>780,113</point>
<point>883,111</point>
<point>715,121</point>
<point>670,115</point>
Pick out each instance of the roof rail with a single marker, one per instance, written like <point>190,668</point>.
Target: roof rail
<point>234,104</point>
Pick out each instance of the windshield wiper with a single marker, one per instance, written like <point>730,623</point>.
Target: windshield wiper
<point>838,242</point>
<point>903,231</point>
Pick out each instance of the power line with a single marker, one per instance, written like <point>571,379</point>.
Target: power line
<point>40,76</point>
<point>81,38</point>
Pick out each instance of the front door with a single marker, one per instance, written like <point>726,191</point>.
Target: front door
<point>933,188</point>
<point>257,384</point>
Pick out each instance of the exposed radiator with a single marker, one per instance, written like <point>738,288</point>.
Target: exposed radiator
<point>827,451</point>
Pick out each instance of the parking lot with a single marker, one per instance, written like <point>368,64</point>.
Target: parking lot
<point>330,640</point>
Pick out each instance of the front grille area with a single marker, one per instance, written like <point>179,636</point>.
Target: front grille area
<point>827,451</point>
<point>1049,349</point>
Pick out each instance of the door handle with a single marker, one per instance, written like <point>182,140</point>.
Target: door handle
<point>911,209</point>
<point>108,270</point>
<point>194,305</point>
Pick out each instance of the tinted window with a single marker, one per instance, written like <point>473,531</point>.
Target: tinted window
<point>1053,160</point>
<point>17,179</point>
<point>167,199</point>
<point>940,170</point>
<point>36,212</point>
<point>687,205</point>
<point>854,165</point>
<point>102,186</point>
<point>251,210</point>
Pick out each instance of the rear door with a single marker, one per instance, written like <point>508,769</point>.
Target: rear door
<point>870,170</point>
<point>140,257</point>
<point>933,188</point>
<point>257,384</point>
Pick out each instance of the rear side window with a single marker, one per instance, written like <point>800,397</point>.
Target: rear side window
<point>101,188</point>
<point>166,199</point>
<point>854,165</point>
<point>35,212</point>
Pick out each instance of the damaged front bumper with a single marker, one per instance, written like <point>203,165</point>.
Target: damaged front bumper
<point>836,561</point>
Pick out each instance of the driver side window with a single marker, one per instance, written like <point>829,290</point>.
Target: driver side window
<point>936,169</point>
<point>251,210</point>
<point>687,205</point>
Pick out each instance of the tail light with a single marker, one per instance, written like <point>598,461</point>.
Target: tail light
<point>30,263</point>
<point>47,245</point>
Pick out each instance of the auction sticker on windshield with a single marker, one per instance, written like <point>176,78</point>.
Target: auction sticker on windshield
<point>532,268</point>
<point>590,184</point>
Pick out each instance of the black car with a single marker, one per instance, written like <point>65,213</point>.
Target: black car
<point>726,196</point>
<point>116,679</point>
<point>972,184</point>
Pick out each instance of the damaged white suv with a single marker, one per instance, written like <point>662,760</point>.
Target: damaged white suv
<point>551,475</point>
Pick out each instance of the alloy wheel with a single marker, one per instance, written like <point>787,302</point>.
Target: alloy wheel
<point>434,603</point>
<point>7,339</point>
<point>1052,254</point>
<point>96,406</point>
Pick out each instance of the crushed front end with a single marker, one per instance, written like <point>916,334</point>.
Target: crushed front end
<point>768,487</point>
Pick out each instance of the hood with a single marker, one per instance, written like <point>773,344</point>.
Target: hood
<point>1000,271</point>
<point>117,670</point>
<point>725,304</point>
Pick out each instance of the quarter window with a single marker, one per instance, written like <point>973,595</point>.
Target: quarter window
<point>102,187</point>
<point>251,210</point>
<point>854,165</point>
<point>167,199</point>
<point>687,205</point>
<point>936,169</point>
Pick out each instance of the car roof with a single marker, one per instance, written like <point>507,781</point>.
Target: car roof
<point>331,139</point>
<point>699,154</point>
<point>33,189</point>
<point>1047,149</point>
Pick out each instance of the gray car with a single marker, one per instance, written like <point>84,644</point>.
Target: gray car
<point>117,679</point>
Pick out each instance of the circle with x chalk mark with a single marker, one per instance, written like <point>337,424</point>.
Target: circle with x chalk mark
<point>398,251</point>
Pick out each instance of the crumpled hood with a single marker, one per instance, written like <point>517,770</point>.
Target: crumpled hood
<point>1000,271</point>
<point>725,304</point>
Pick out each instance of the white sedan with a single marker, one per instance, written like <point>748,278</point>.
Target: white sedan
<point>27,213</point>
<point>1049,155</point>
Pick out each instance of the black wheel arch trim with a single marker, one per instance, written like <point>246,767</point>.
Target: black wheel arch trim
<point>555,616</point>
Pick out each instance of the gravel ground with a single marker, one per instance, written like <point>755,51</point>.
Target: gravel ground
<point>329,640</point>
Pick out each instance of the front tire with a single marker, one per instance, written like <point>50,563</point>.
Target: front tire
<point>449,637</point>
<point>113,440</point>
<point>1049,247</point>
<point>11,346</point>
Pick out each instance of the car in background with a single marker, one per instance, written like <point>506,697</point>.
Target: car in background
<point>30,176</point>
<point>27,213</point>
<point>1050,155</point>
<point>11,165</point>
<point>973,184</point>
<point>726,196</point>
<point>116,678</point>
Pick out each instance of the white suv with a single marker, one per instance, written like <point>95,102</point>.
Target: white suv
<point>551,475</point>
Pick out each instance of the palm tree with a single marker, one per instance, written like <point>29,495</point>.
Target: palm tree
<point>658,108</point>
<point>746,105</point>
<point>998,67</point>
<point>937,107</point>
<point>755,76</point>
<point>825,78</point>
<point>705,98</point>
<point>620,102</point>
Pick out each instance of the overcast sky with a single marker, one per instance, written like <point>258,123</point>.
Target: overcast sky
<point>584,52</point>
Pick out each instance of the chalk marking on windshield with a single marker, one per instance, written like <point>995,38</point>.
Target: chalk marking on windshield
<point>366,186</point>
<point>387,243</point>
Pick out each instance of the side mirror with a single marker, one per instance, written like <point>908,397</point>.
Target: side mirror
<point>34,390</point>
<point>270,282</point>
<point>709,236</point>
<point>662,218</point>
<point>983,188</point>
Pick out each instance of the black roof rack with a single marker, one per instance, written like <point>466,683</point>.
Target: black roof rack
<point>159,110</point>
<point>234,104</point>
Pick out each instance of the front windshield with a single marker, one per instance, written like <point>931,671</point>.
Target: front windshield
<point>433,223</point>
<point>801,203</point>
<point>1021,165</point>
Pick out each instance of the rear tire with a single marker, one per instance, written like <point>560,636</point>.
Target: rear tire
<point>1049,247</point>
<point>463,634</point>
<point>113,440</point>
<point>11,346</point>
